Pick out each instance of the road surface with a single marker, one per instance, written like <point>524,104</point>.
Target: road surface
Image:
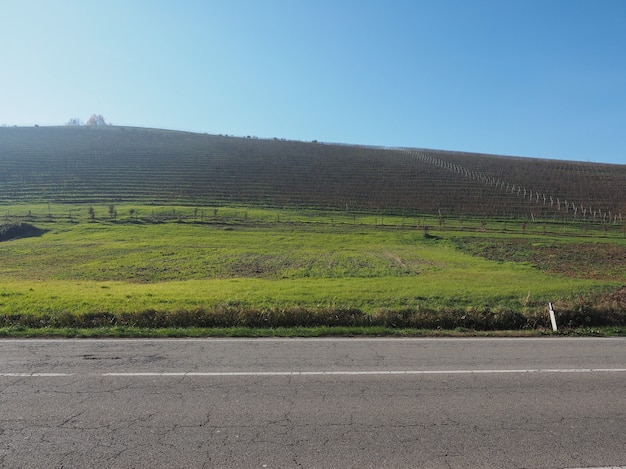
<point>514,403</point>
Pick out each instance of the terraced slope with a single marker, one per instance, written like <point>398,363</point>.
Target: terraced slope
<point>101,164</point>
<point>567,188</point>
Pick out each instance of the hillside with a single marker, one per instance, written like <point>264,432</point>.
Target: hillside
<point>102,164</point>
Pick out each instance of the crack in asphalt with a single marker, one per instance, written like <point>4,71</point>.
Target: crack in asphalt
<point>291,419</point>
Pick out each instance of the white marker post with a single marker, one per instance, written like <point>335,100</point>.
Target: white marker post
<point>552,317</point>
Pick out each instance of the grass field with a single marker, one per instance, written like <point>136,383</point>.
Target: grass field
<point>127,228</point>
<point>174,260</point>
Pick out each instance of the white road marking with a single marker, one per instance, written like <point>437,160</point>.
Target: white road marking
<point>605,467</point>
<point>315,373</point>
<point>363,373</point>
<point>35,375</point>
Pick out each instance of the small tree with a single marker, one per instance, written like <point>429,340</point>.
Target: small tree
<point>112,212</point>
<point>96,119</point>
<point>74,121</point>
<point>92,214</point>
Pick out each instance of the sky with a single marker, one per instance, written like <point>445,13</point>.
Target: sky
<point>535,78</point>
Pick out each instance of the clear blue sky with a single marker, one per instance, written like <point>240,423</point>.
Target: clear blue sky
<point>538,78</point>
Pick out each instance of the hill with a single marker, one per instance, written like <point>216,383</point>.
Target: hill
<point>113,164</point>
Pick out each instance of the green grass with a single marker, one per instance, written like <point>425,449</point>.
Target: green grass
<point>452,289</point>
<point>249,260</point>
<point>159,229</point>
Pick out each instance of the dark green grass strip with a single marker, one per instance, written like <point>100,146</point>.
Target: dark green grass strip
<point>336,319</point>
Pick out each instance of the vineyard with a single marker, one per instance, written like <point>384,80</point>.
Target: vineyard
<point>93,164</point>
<point>124,227</point>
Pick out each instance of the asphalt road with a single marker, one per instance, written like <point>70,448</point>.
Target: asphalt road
<point>505,403</point>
